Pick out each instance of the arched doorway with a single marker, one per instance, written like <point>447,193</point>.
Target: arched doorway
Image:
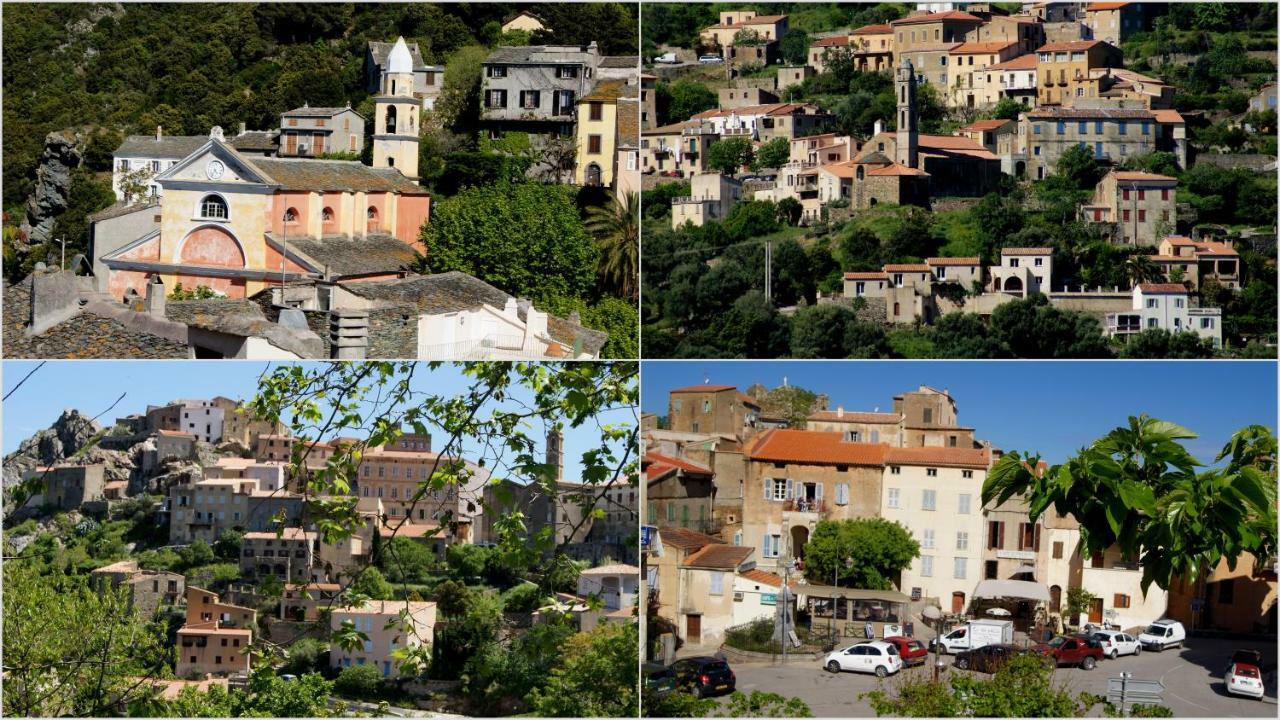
<point>957,602</point>
<point>1055,599</point>
<point>372,215</point>
<point>799,538</point>
<point>1020,168</point>
<point>593,175</point>
<point>1013,284</point>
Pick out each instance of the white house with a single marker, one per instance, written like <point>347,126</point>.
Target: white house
<point>755,595</point>
<point>1166,306</point>
<point>618,585</point>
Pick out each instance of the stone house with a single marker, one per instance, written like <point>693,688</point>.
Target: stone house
<point>536,88</point>
<point>618,585</point>
<point>1112,134</point>
<point>973,83</point>
<point>303,602</point>
<point>1065,70</point>
<point>1240,600</point>
<point>1023,271</point>
<point>206,509</point>
<point>312,132</point>
<point>678,150</point>
<point>147,590</point>
<point>792,75</point>
<point>766,29</point>
<point>680,493</point>
<point>711,409</point>
<point>288,555</point>
<point>927,31</point>
<point>1114,22</point>
<point>215,638</point>
<point>1193,261</point>
<point>1017,78</point>
<point>648,101</point>
<point>763,123</point>
<point>1140,207</point>
<point>736,97</point>
<point>390,625</point>
<point>692,581</point>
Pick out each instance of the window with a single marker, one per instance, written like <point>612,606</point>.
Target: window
<point>530,99</point>
<point>1057,550</point>
<point>962,540</point>
<point>566,72</point>
<point>326,215</point>
<point>842,493</point>
<point>963,503</point>
<point>1062,127</point>
<point>1142,194</point>
<point>1097,127</point>
<point>596,110</point>
<point>1123,127</point>
<point>926,566</point>
<point>497,71</point>
<point>995,534</point>
<point>1164,194</point>
<point>717,583</point>
<point>1126,216</point>
<point>1120,601</point>
<point>894,494</point>
<point>779,489</point>
<point>1152,302</point>
<point>1142,215</point>
<point>593,144</point>
<point>926,539</point>
<point>213,207</point>
<point>1227,591</point>
<point>706,406</point>
<point>991,570</point>
<point>1083,127</point>
<point>962,568</point>
<point>772,543</point>
<point>929,501</point>
<point>1146,127</point>
<point>931,472</point>
<point>895,470</point>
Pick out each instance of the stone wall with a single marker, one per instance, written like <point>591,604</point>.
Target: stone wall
<point>393,332</point>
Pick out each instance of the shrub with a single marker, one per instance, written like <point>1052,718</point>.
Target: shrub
<point>361,682</point>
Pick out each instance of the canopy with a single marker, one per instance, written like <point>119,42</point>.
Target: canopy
<point>1016,589</point>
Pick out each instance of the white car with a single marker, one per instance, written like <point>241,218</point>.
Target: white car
<point>710,59</point>
<point>1115,644</point>
<point>1244,680</point>
<point>1163,634</point>
<point>876,657</point>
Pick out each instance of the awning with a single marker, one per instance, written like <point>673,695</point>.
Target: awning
<point>1025,568</point>
<point>830,591</point>
<point>1016,589</point>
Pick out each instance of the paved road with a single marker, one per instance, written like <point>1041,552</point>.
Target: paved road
<point>1192,677</point>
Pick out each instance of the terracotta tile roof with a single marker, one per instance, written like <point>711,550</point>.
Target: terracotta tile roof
<point>904,267</point>
<point>1180,240</point>
<point>898,170</point>
<point>614,569</point>
<point>746,399</point>
<point>813,448</point>
<point>681,463</point>
<point>1215,248</point>
<point>704,388</point>
<point>1022,62</point>
<point>757,20</point>
<point>1163,288</point>
<point>878,29</point>
<point>768,109</point>
<point>673,129</point>
<point>866,276</point>
<point>981,125</point>
<point>1068,46</point>
<point>762,577</point>
<point>936,17</point>
<point>402,528</point>
<point>840,169</point>
<point>720,556</point>
<point>1095,7</point>
<point>1141,176</point>
<point>175,433</point>
<point>973,48</point>
<point>1027,251</point>
<point>834,41</point>
<point>1170,117</point>
<point>874,418</point>
<point>962,261</point>
<point>685,539</point>
<point>951,142</point>
<point>289,533</point>
<point>946,456</point>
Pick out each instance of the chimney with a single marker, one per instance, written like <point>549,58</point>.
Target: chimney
<point>879,128</point>
<point>155,297</point>
<point>242,129</point>
<point>159,132</point>
<point>509,309</point>
<point>840,411</point>
<point>555,452</point>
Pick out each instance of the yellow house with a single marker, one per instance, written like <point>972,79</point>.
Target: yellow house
<point>1065,70</point>
<point>597,134</point>
<point>525,21</point>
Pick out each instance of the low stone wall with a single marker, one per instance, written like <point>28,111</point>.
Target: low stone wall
<point>734,655</point>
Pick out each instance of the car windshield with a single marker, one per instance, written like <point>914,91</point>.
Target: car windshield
<point>1155,630</point>
<point>1057,642</point>
<point>716,667</point>
<point>892,649</point>
<point>915,645</point>
<point>1246,671</point>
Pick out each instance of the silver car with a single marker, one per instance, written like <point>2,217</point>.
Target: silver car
<point>1115,643</point>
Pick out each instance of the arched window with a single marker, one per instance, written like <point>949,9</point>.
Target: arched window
<point>593,174</point>
<point>860,172</point>
<point>213,207</point>
<point>372,216</point>
<point>391,119</point>
<point>326,215</point>
<point>291,216</point>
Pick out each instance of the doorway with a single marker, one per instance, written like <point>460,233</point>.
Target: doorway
<point>1055,599</point>
<point>1095,610</point>
<point>693,629</point>
<point>799,538</point>
<point>957,602</point>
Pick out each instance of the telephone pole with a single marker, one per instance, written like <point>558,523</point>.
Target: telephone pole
<point>768,271</point>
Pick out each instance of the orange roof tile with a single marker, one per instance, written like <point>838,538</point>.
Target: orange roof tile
<point>907,267</point>
<point>1171,117</point>
<point>704,388</point>
<point>1027,251</point>
<point>972,48</point>
<point>873,418</point>
<point>813,448</point>
<point>1068,46</point>
<point>720,556</point>
<point>834,41</point>
<point>962,261</point>
<point>1163,288</point>
<point>877,29</point>
<point>947,456</point>
<point>746,399</point>
<point>1215,248</point>
<point>681,463</point>
<point>936,17</point>
<point>1022,62</point>
<point>685,539</point>
<point>840,169</point>
<point>763,577</point>
<point>175,433</point>
<point>866,276</point>
<point>981,125</point>
<point>1141,176</point>
<point>898,170</point>
<point>1180,240</point>
<point>1095,7</point>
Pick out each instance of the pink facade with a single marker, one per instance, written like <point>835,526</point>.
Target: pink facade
<point>376,212</point>
<point>414,211</point>
<point>211,246</point>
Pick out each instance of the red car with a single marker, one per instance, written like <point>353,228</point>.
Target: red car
<point>1079,650</point>
<point>912,651</point>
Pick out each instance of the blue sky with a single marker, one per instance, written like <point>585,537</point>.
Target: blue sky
<point>1053,408</point>
<point>91,387</point>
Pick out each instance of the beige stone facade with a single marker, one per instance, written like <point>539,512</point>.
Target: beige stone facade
<point>389,625</point>
<point>1140,207</point>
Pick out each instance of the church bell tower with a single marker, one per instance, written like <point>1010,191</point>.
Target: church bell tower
<point>908,141</point>
<point>396,115</point>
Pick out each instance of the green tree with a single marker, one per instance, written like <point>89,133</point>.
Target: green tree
<point>1139,489</point>
<point>794,46</point>
<point>1007,109</point>
<point>763,704</point>
<point>372,584</point>
<point>1023,687</point>
<point>773,154</point>
<point>526,239</point>
<point>866,553</point>
<point>596,677</point>
<point>227,546</point>
<point>1079,600</point>
<point>1159,344</point>
<point>1077,165</point>
<point>730,156</point>
<point>616,228</point>
<point>359,682</point>
<point>1141,269</point>
<point>1032,328</point>
<point>459,102</point>
<point>681,100</point>
<point>789,210</point>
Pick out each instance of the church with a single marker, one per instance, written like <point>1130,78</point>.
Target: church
<point>238,223</point>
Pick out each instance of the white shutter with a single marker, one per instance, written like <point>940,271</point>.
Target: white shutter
<point>791,489</point>
<point>818,492</point>
<point>766,545</point>
<point>768,488</point>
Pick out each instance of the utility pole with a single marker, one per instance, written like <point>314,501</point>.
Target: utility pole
<point>768,271</point>
<point>786,579</point>
<point>62,265</point>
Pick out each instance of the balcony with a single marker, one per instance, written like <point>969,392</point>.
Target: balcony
<point>490,347</point>
<point>805,505</point>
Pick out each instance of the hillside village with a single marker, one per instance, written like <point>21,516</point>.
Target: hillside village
<point>346,231</point>
<point>904,186</point>
<point>201,521</point>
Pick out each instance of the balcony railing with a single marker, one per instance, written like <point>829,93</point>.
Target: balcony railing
<point>490,347</point>
<point>805,505</point>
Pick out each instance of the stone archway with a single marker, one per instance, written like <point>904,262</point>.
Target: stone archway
<point>1020,168</point>
<point>211,246</point>
<point>799,538</point>
<point>1013,284</point>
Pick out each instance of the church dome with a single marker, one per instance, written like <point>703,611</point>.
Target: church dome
<point>400,61</point>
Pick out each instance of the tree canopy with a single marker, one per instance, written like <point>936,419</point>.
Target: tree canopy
<point>866,553</point>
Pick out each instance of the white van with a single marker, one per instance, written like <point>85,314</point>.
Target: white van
<point>975,634</point>
<point>1163,634</point>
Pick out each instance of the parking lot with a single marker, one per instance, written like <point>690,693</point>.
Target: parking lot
<point>1192,677</point>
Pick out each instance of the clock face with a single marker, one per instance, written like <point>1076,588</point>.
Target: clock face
<point>214,169</point>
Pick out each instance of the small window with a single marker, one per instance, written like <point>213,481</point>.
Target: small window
<point>213,207</point>
<point>1120,601</point>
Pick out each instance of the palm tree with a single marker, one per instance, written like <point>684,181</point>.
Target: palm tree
<point>1141,269</point>
<point>616,228</point>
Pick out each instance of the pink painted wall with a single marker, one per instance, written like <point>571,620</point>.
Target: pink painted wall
<point>273,262</point>
<point>146,251</point>
<point>413,211</point>
<point>211,246</point>
<point>231,287</point>
<point>281,201</point>
<point>122,281</point>
<point>378,202</point>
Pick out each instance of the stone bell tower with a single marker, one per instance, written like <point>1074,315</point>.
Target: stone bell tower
<point>908,141</point>
<point>396,115</point>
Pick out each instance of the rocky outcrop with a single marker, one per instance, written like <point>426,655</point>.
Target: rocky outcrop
<point>62,154</point>
<point>68,434</point>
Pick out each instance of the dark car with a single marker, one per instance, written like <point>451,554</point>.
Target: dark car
<point>912,651</point>
<point>704,676</point>
<point>1265,663</point>
<point>1082,650</point>
<point>659,681</point>
<point>988,658</point>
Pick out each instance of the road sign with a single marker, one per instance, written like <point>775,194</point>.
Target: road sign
<point>1124,692</point>
<point>644,535</point>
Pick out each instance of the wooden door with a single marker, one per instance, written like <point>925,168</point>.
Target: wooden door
<point>957,602</point>
<point>693,629</point>
<point>1095,610</point>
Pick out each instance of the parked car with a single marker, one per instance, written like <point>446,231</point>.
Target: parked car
<point>912,651</point>
<point>659,681</point>
<point>1245,679</point>
<point>877,657</point>
<point>1080,650</point>
<point>1163,634</point>
<point>710,59</point>
<point>974,634</point>
<point>1114,644</point>
<point>988,658</point>
<point>667,59</point>
<point>1265,663</point>
<point>704,676</point>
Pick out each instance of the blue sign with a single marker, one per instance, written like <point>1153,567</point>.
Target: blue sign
<point>768,598</point>
<point>644,535</point>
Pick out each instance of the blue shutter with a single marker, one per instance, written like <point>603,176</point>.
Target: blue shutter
<point>818,493</point>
